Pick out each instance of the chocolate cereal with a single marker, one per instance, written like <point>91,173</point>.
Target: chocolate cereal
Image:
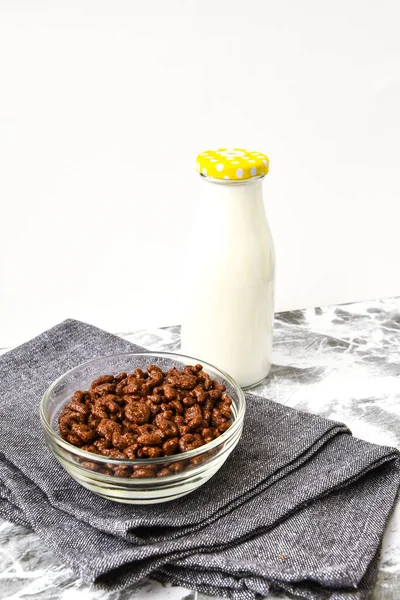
<point>147,415</point>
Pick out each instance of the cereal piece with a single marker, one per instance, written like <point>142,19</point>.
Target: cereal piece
<point>137,412</point>
<point>99,412</point>
<point>183,429</point>
<point>123,440</point>
<point>182,381</point>
<point>139,374</point>
<point>107,428</point>
<point>90,448</point>
<point>190,441</point>
<point>93,421</point>
<point>74,439</point>
<point>164,472</point>
<point>199,394</point>
<point>150,435</point>
<point>78,397</point>
<point>217,418</point>
<point>189,401</point>
<point>120,377</point>
<point>225,409</point>
<point>177,467</point>
<point>122,471</point>
<point>154,409</point>
<point>134,387</point>
<point>104,388</point>
<point>84,432</point>
<point>130,451</point>
<point>206,380</point>
<point>208,434</point>
<point>101,380</point>
<point>102,444</point>
<point>206,415</point>
<point>166,412</point>
<point>155,373</point>
<point>145,471</point>
<point>119,388</point>
<point>155,398</point>
<point>170,446</point>
<point>109,402</point>
<point>215,394</point>
<point>113,453</point>
<point>193,416</point>
<point>80,408</point>
<point>169,392</point>
<point>223,427</point>
<point>92,466</point>
<point>197,460</point>
<point>168,428</point>
<point>151,452</point>
<point>177,406</point>
<point>67,419</point>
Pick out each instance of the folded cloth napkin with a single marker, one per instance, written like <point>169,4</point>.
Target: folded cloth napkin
<point>299,506</point>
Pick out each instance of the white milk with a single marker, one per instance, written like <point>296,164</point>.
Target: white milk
<point>229,281</point>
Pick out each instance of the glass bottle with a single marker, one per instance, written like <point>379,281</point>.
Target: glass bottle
<point>230,272</point>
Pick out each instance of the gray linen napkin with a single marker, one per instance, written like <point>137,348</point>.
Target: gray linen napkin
<point>299,506</point>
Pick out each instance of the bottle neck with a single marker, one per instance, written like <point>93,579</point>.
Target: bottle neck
<point>224,196</point>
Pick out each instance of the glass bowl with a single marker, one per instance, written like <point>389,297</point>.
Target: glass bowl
<point>190,469</point>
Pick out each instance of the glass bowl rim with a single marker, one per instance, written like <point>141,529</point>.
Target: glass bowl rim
<point>144,461</point>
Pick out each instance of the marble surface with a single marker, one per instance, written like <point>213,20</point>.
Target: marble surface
<point>341,362</point>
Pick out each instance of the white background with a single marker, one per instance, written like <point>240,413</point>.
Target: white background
<point>104,106</point>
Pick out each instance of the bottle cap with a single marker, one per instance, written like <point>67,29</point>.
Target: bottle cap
<point>235,164</point>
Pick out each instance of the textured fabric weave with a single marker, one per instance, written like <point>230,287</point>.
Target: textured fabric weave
<point>299,506</point>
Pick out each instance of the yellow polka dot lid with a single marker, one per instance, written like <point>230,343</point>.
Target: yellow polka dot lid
<point>235,164</point>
